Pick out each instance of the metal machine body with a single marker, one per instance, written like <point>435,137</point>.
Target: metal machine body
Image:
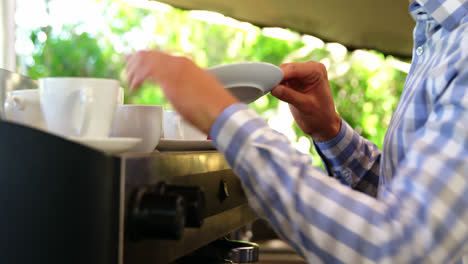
<point>225,206</point>
<point>59,201</point>
<point>63,202</point>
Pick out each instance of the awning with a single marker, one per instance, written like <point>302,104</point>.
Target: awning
<point>383,25</point>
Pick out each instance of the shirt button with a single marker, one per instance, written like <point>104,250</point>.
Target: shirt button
<point>419,51</point>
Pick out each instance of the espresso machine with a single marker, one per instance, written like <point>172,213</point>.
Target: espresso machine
<point>63,202</point>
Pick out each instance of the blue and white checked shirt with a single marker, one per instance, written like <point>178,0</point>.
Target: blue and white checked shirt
<point>417,210</point>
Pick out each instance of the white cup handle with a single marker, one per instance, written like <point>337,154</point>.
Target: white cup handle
<point>162,127</point>
<point>11,104</point>
<point>8,108</point>
<point>17,103</point>
<point>120,96</point>
<point>178,127</point>
<point>85,99</point>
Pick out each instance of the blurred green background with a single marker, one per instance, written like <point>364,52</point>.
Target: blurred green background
<point>366,85</point>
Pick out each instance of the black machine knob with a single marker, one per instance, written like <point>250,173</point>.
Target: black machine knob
<point>154,215</point>
<point>194,203</point>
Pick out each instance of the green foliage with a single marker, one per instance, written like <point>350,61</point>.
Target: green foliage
<point>125,19</point>
<point>73,55</point>
<point>271,50</point>
<point>365,92</point>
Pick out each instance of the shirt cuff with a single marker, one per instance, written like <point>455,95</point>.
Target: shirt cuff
<point>335,147</point>
<point>233,128</point>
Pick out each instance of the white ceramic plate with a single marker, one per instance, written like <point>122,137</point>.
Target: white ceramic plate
<point>113,145</point>
<point>182,144</point>
<point>248,81</point>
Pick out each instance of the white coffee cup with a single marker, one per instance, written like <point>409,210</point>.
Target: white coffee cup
<point>23,106</point>
<point>175,127</point>
<point>120,97</point>
<point>78,107</point>
<point>141,121</point>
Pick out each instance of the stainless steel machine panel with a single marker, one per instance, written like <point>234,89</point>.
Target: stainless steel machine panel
<point>225,207</point>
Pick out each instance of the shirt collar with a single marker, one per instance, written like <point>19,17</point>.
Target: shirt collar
<point>447,13</point>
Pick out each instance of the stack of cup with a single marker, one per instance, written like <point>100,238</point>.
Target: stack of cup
<point>65,106</point>
<point>91,111</point>
<point>83,110</point>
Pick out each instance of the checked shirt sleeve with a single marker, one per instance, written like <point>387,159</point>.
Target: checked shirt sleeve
<point>352,160</point>
<point>419,217</point>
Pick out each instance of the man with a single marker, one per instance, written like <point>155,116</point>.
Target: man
<point>420,179</point>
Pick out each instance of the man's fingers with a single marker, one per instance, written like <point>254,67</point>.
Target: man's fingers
<point>289,95</point>
<point>148,64</point>
<point>132,61</point>
<point>131,72</point>
<point>311,69</point>
<point>136,69</point>
<point>136,81</point>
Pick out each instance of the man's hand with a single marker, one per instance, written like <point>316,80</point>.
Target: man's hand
<point>305,87</point>
<point>194,92</point>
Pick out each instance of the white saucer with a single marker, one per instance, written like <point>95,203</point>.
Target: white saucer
<point>248,81</point>
<point>113,145</point>
<point>182,144</point>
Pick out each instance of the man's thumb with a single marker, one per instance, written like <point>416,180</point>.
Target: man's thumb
<point>289,95</point>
